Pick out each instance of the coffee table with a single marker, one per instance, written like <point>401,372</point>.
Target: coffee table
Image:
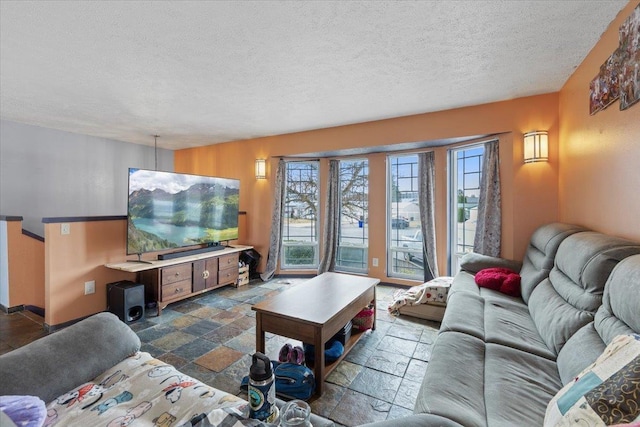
<point>315,311</point>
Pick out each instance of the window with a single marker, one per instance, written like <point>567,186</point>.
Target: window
<point>353,240</point>
<point>404,234</point>
<point>300,216</point>
<point>464,185</point>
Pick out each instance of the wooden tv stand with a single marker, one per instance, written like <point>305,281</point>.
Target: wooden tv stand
<point>167,281</point>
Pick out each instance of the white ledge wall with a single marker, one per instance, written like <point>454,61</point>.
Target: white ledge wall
<point>50,173</point>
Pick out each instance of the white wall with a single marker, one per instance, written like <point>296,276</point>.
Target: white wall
<point>50,173</point>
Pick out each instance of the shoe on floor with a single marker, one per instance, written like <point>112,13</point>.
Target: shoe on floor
<point>285,353</point>
<point>297,355</point>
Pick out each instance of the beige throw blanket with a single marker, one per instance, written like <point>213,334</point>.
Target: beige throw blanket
<point>435,290</point>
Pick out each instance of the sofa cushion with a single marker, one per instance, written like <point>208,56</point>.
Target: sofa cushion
<point>618,315</point>
<point>464,281</point>
<point>517,386</point>
<point>539,257</point>
<point>495,318</point>
<point>473,262</point>
<point>61,361</point>
<point>581,350</point>
<point>568,299</point>
<point>510,324</point>
<point>453,385</point>
<point>416,420</point>
<point>464,313</point>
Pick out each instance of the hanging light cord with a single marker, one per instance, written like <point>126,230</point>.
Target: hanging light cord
<point>155,149</point>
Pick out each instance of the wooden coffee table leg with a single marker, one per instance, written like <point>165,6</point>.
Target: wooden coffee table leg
<point>375,309</point>
<point>318,366</point>
<point>259,334</point>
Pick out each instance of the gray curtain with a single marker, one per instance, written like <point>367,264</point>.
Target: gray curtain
<point>426,197</point>
<point>332,220</point>
<point>275,240</point>
<point>489,224</point>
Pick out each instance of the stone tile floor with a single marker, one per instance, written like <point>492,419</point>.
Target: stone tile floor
<point>212,336</point>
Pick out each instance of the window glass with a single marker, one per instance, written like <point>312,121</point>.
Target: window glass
<point>464,184</point>
<point>300,216</point>
<point>404,234</point>
<point>353,241</point>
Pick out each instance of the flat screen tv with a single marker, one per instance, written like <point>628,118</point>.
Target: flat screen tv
<point>171,210</point>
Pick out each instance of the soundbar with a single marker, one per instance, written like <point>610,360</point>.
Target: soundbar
<point>178,254</point>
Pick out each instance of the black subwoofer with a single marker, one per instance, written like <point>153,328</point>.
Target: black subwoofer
<point>126,300</point>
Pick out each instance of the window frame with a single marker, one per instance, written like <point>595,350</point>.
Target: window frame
<point>362,223</point>
<point>453,212</point>
<point>394,260</point>
<point>286,246</point>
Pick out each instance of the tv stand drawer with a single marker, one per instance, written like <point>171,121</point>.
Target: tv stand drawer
<point>176,273</point>
<point>228,261</point>
<point>229,275</point>
<point>176,290</point>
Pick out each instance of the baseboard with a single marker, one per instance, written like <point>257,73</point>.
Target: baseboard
<point>9,310</point>
<point>53,328</point>
<point>35,310</point>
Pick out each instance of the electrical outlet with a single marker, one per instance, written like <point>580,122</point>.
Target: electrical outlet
<point>65,228</point>
<point>90,287</point>
<point>374,261</point>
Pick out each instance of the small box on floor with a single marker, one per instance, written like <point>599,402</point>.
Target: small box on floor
<point>243,276</point>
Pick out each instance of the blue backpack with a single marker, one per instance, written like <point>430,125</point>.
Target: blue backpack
<point>292,381</point>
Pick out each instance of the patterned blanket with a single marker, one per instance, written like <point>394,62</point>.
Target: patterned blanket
<point>146,391</point>
<point>435,290</point>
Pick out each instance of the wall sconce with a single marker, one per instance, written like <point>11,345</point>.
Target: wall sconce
<point>536,146</point>
<point>261,168</point>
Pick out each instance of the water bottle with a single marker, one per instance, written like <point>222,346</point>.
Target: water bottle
<point>262,389</point>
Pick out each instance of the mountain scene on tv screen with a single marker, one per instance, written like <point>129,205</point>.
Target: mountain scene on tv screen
<point>181,213</point>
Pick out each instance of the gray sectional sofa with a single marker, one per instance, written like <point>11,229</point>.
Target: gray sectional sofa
<point>498,360</point>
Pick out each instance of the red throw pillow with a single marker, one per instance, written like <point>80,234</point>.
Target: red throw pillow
<point>499,279</point>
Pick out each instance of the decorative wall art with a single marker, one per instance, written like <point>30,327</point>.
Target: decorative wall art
<point>630,47</point>
<point>619,76</point>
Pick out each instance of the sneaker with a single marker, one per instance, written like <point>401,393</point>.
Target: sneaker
<point>285,353</point>
<point>297,355</point>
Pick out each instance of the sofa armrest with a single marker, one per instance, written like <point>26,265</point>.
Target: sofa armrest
<point>63,360</point>
<point>473,262</point>
<point>417,420</point>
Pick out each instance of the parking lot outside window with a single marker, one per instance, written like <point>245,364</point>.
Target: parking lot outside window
<point>404,236</point>
<point>464,183</point>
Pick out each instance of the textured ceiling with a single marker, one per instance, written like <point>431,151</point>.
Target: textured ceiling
<point>198,73</point>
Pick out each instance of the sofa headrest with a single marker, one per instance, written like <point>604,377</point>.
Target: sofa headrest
<point>620,310</point>
<point>540,255</point>
<point>63,360</point>
<point>583,264</point>
<point>568,299</point>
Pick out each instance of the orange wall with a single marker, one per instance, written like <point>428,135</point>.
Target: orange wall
<point>26,267</point>
<point>529,191</point>
<point>600,154</point>
<point>78,257</point>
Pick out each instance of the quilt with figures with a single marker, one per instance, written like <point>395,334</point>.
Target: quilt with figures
<point>145,391</point>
